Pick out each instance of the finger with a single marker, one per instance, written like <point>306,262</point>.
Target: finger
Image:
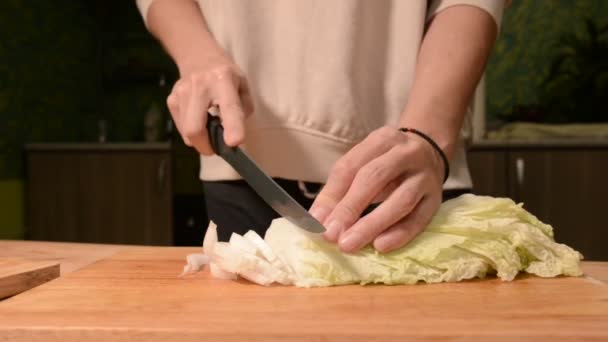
<point>388,190</point>
<point>195,118</point>
<point>345,170</point>
<point>408,228</point>
<point>181,93</point>
<point>369,181</point>
<point>173,105</point>
<point>398,205</point>
<point>231,112</point>
<point>246,98</point>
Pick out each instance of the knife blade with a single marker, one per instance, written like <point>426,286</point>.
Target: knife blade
<point>271,192</point>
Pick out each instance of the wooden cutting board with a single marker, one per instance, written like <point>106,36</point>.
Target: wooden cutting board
<point>18,275</point>
<point>135,295</point>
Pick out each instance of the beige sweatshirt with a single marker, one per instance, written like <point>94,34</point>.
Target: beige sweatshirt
<point>323,75</point>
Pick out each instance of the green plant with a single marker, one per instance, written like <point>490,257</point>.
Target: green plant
<point>576,86</point>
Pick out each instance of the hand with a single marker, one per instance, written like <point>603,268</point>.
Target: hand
<point>401,170</point>
<point>216,82</point>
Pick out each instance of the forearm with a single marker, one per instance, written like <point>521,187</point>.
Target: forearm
<point>451,61</point>
<point>181,28</point>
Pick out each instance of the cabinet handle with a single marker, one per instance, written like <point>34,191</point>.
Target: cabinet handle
<point>520,168</point>
<point>161,174</point>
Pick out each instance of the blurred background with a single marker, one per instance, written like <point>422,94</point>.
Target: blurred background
<point>88,152</point>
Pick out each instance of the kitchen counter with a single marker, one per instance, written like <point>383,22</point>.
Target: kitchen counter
<point>133,294</point>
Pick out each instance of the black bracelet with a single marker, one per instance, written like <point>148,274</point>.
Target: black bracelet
<point>446,164</point>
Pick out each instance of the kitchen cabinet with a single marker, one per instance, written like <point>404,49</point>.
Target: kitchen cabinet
<point>190,219</point>
<point>103,193</point>
<point>564,185</point>
<point>489,171</point>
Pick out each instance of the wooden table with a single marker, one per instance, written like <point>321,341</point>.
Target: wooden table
<point>135,295</point>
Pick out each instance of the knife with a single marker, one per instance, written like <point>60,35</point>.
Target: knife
<point>266,187</point>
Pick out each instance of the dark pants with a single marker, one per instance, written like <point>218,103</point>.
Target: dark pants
<point>235,207</point>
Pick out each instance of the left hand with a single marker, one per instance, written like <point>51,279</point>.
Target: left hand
<point>402,170</point>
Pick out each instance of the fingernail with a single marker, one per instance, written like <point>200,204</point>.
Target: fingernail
<point>334,228</point>
<point>349,242</point>
<point>320,213</point>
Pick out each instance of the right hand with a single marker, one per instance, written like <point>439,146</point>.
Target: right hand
<point>217,82</point>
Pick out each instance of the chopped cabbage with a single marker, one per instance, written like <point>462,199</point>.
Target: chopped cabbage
<point>469,237</point>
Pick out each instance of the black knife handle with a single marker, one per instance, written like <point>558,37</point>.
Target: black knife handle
<point>216,134</point>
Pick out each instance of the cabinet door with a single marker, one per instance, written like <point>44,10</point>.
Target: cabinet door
<point>489,172</point>
<point>126,197</point>
<point>566,188</point>
<point>119,197</point>
<point>53,197</point>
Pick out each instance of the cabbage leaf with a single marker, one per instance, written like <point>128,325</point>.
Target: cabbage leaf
<point>469,237</point>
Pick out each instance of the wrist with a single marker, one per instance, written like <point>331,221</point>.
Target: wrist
<point>199,60</point>
<point>442,129</point>
<point>440,153</point>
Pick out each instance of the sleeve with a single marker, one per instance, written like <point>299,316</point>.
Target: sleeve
<point>493,7</point>
<point>143,6</point>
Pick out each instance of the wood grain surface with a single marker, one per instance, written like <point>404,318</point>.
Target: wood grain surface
<point>135,295</point>
<point>19,275</point>
<point>71,256</point>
